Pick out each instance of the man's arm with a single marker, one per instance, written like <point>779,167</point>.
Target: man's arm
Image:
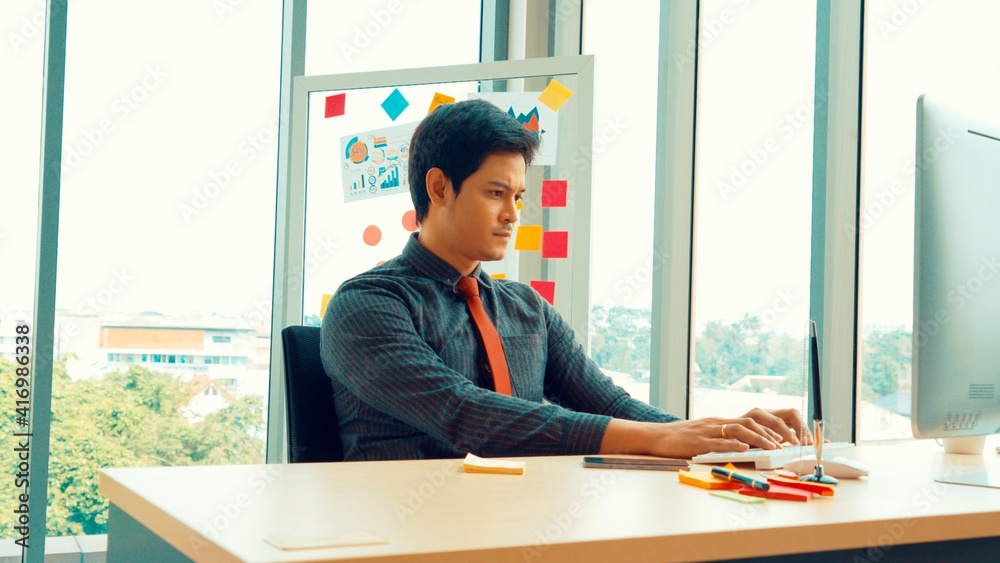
<point>575,381</point>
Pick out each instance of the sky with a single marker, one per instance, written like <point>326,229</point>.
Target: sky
<point>170,151</point>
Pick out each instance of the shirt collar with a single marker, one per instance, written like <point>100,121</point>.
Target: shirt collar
<point>430,265</point>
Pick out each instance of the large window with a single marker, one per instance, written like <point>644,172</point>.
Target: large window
<point>385,35</point>
<point>753,201</point>
<point>622,153</point>
<point>166,226</point>
<point>945,49</point>
<point>20,106</point>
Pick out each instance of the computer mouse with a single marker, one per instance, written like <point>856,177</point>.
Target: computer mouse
<point>839,467</point>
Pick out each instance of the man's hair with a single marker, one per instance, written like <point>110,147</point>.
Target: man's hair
<point>457,138</point>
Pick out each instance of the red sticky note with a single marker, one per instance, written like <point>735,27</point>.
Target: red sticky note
<point>554,193</point>
<point>821,489</point>
<point>335,105</point>
<point>777,492</point>
<point>547,289</point>
<point>555,244</point>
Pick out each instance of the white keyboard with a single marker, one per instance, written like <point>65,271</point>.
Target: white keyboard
<point>770,459</point>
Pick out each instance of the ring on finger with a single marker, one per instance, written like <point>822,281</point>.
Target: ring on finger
<point>724,437</point>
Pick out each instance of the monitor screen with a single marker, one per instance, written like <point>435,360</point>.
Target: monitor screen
<point>956,313</point>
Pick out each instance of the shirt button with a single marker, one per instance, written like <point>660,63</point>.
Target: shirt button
<point>487,368</point>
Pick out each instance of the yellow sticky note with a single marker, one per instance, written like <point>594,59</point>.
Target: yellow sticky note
<point>438,100</point>
<point>529,237</point>
<point>555,95</point>
<point>519,205</point>
<point>500,276</point>
<point>323,303</point>
<point>475,464</point>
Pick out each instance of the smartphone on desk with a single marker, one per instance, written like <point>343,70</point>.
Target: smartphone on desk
<point>614,462</point>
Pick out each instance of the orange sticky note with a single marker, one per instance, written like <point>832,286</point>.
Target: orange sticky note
<point>547,289</point>
<point>554,193</point>
<point>705,480</point>
<point>439,99</point>
<point>555,95</point>
<point>500,276</point>
<point>555,244</point>
<point>323,303</point>
<point>529,237</point>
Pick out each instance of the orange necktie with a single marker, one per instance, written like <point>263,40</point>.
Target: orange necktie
<point>491,339</point>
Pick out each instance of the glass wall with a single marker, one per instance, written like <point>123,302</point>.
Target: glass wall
<point>165,248</point>
<point>947,50</point>
<point>377,35</point>
<point>622,153</point>
<point>752,204</point>
<point>20,106</point>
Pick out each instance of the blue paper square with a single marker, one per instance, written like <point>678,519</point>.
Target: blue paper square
<point>395,104</point>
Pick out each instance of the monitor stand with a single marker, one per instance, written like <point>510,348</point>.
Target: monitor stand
<point>968,445</point>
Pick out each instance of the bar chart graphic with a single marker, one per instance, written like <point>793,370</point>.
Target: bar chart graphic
<point>358,185</point>
<point>391,180</point>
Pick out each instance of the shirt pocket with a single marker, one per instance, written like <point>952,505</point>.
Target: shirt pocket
<point>526,355</point>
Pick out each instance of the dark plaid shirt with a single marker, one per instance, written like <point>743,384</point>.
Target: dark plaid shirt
<point>410,376</point>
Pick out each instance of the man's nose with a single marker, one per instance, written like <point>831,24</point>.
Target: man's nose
<point>510,211</point>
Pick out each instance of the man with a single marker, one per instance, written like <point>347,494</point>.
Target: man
<point>410,374</point>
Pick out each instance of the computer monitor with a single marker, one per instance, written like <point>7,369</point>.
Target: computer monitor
<point>956,293</point>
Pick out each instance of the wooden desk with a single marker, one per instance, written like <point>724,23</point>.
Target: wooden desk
<point>557,511</point>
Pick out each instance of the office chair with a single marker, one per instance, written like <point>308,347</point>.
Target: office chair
<point>313,430</point>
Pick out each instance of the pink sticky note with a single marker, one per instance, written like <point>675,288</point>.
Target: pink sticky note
<point>555,244</point>
<point>554,193</point>
<point>335,105</point>
<point>547,289</point>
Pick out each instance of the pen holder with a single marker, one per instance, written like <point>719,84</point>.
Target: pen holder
<point>818,476</point>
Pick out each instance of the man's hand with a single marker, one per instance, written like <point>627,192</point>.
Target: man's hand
<point>787,423</point>
<point>687,438</point>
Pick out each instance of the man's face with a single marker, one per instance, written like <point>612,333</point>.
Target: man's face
<point>478,223</point>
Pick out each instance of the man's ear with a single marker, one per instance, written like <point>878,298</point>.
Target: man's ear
<point>437,185</point>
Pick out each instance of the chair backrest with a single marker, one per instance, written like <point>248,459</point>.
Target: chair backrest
<point>313,430</point>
